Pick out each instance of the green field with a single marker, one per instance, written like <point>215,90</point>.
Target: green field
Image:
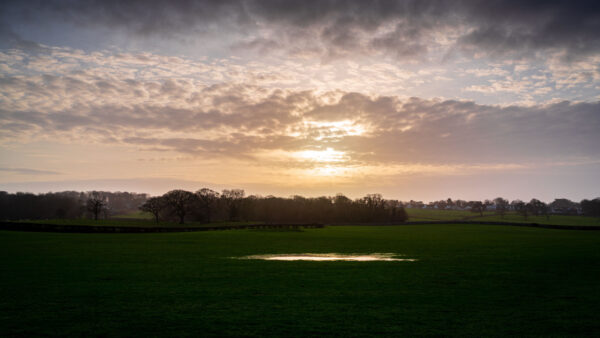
<point>132,222</point>
<point>470,280</point>
<point>136,215</point>
<point>441,215</point>
<point>553,219</point>
<point>458,215</point>
<point>141,219</point>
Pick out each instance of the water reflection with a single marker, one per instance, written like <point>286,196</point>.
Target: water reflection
<point>388,257</point>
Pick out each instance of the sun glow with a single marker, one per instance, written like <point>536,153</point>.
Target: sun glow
<point>328,170</point>
<point>324,156</point>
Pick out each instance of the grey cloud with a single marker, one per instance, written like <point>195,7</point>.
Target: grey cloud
<point>532,26</point>
<point>236,145</point>
<point>334,28</point>
<point>455,132</point>
<point>8,38</point>
<point>155,186</point>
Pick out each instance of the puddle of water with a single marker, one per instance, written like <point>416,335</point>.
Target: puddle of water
<point>388,257</point>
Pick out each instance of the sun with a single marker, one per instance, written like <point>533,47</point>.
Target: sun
<point>328,155</point>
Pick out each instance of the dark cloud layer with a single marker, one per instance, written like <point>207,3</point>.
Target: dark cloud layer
<point>404,29</point>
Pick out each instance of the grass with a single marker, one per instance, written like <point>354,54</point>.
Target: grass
<point>553,219</point>
<point>132,222</point>
<point>491,216</point>
<point>138,219</point>
<point>135,215</point>
<point>469,280</point>
<point>441,215</point>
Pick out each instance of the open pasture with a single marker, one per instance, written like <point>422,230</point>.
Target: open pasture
<point>466,280</point>
<point>426,215</point>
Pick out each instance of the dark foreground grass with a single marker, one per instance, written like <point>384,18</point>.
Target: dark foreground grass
<point>469,280</point>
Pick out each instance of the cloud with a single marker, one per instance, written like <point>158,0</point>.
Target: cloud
<point>332,28</point>
<point>27,171</point>
<point>244,121</point>
<point>153,186</point>
<point>119,99</point>
<point>9,37</point>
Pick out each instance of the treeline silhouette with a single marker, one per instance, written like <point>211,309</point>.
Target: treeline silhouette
<point>535,207</point>
<point>206,205</point>
<point>232,205</point>
<point>66,204</point>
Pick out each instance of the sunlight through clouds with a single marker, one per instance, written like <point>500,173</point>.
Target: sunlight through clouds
<point>368,92</point>
<point>328,155</point>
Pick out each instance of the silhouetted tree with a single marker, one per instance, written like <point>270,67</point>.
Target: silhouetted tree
<point>501,206</point>
<point>180,202</point>
<point>520,207</point>
<point>233,199</point>
<point>591,208</point>
<point>563,206</point>
<point>96,203</point>
<point>441,205</point>
<point>207,198</point>
<point>478,206</point>
<point>537,207</point>
<point>154,205</point>
<point>396,211</point>
<point>342,207</point>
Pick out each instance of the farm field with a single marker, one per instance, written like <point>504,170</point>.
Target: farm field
<point>132,222</point>
<point>491,216</point>
<point>472,280</point>
<point>141,219</point>
<point>553,219</point>
<point>442,215</point>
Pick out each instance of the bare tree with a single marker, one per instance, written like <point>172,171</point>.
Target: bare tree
<point>591,207</point>
<point>450,203</point>
<point>538,207</point>
<point>180,201</point>
<point>520,207</point>
<point>207,198</point>
<point>478,206</point>
<point>154,205</point>
<point>373,201</point>
<point>396,211</point>
<point>233,199</point>
<point>563,206</point>
<point>501,206</point>
<point>95,204</point>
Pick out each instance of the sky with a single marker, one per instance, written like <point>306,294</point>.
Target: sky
<point>420,100</point>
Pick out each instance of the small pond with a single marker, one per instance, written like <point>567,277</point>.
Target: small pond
<point>387,257</point>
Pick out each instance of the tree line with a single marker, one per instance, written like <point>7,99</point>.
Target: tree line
<point>535,207</point>
<point>206,205</point>
<point>232,205</point>
<point>68,204</point>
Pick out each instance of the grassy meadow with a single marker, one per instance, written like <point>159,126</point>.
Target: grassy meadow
<point>442,215</point>
<point>473,280</point>
<point>491,216</point>
<point>144,219</point>
<point>133,222</point>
